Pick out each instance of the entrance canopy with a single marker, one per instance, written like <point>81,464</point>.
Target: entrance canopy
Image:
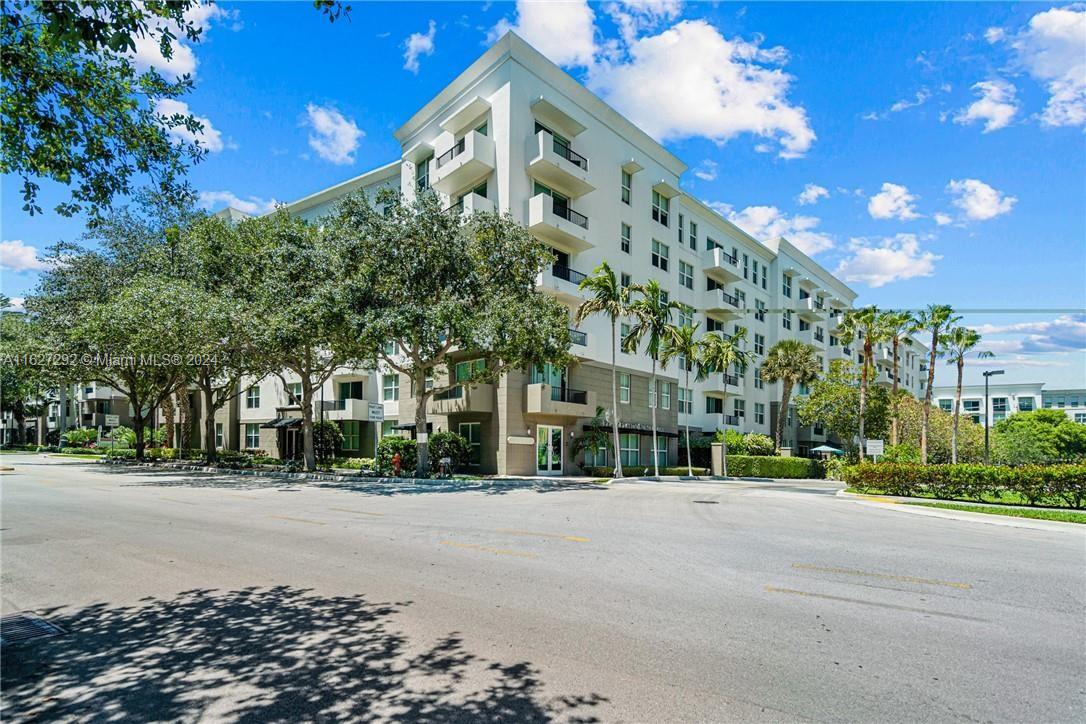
<point>281,422</point>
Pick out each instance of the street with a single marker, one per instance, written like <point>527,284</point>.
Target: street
<point>188,596</point>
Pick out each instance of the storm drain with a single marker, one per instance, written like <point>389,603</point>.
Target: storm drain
<point>19,627</point>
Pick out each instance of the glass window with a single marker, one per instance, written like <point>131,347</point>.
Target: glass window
<point>765,275</point>
<point>595,458</point>
<point>759,344</point>
<point>682,229</point>
<point>686,400</point>
<point>220,436</point>
<point>1080,417</point>
<point>786,319</point>
<point>665,396</point>
<point>714,405</point>
<point>686,275</point>
<point>661,207</point>
<point>482,129</point>
<point>624,332</point>
<point>466,370</point>
<point>686,317</point>
<point>624,387</point>
<point>660,254</point>
<point>390,387</point>
<point>746,266</point>
<point>627,233</point>
<point>759,413</point>
<point>971,405</point>
<point>252,397</point>
<point>473,433</point>
<point>627,187</point>
<point>661,451</point>
<point>630,449</point>
<point>786,285</point>
<point>759,383</point>
<point>1025,404</point>
<point>422,173</point>
<point>252,435</point>
<point>626,280</point>
<point>355,390</point>
<point>351,434</point>
<point>693,235</point>
<point>759,310</point>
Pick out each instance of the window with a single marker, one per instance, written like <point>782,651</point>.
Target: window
<point>623,333</point>
<point>682,229</point>
<point>833,341</point>
<point>711,284</point>
<point>686,317</point>
<point>252,397</point>
<point>713,325</point>
<point>630,449</point>
<point>351,435</point>
<point>765,276</point>
<point>759,383</point>
<point>352,390</point>
<point>971,405</point>
<point>466,370</point>
<point>693,236</point>
<point>1025,404</point>
<point>665,396</point>
<point>626,280</point>
<point>422,173</point>
<point>754,274</point>
<point>627,187</point>
<point>220,436</point>
<point>710,244</point>
<point>999,408</point>
<point>473,433</point>
<point>804,326</point>
<point>661,451</point>
<point>390,387</point>
<point>714,406</point>
<point>686,400</point>
<point>660,254</point>
<point>746,266</point>
<point>595,458</point>
<point>759,413</point>
<point>252,435</point>
<point>626,234</point>
<point>390,349</point>
<point>388,428</point>
<point>294,392</point>
<point>1080,417</point>
<point>759,310</point>
<point>661,207</point>
<point>686,275</point>
<point>624,387</point>
<point>946,405</point>
<point>786,319</point>
<point>759,344</point>
<point>786,285</point>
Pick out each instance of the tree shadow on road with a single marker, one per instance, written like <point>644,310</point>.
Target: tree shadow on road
<point>270,654</point>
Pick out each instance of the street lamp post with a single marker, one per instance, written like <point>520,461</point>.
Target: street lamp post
<point>987,415</point>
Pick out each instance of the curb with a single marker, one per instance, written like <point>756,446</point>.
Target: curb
<point>1008,521</point>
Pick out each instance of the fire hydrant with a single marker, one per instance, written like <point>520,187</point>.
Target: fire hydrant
<point>397,461</point>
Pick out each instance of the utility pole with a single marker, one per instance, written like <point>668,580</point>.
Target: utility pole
<point>987,415</point>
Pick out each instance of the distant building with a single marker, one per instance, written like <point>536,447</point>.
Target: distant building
<point>1008,398</point>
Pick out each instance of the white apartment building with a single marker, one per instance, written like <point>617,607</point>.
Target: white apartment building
<point>1005,399</point>
<point>514,133</point>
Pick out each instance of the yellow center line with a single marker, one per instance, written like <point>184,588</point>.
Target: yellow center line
<point>885,576</point>
<point>359,512</point>
<point>485,549</point>
<point>556,536</point>
<point>876,499</point>
<point>297,520</point>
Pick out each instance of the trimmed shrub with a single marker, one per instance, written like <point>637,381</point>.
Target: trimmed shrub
<point>759,466</point>
<point>1055,485</point>
<point>758,444</point>
<point>124,453</point>
<point>77,450</point>
<point>355,463</point>
<point>448,445</point>
<point>264,460</point>
<point>389,446</point>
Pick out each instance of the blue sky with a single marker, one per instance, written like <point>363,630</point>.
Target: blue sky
<point>941,147</point>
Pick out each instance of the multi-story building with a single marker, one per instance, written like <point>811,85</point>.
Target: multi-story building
<point>1005,399</point>
<point>514,133</point>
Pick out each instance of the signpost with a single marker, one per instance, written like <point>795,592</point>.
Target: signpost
<point>113,421</point>
<point>377,416</point>
<point>875,448</point>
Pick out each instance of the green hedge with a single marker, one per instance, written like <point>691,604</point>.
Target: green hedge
<point>80,451</point>
<point>758,466</point>
<point>1058,485</point>
<point>354,463</point>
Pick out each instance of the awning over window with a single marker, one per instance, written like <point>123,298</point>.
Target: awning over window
<point>635,431</point>
<point>283,422</point>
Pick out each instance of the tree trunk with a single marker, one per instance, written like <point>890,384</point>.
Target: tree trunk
<point>168,414</point>
<point>724,443</point>
<point>689,462</point>
<point>927,397</point>
<point>614,400</point>
<point>421,438</point>
<point>19,413</point>
<point>184,430</point>
<point>957,406</point>
<point>782,413</point>
<point>655,402</point>
<point>309,453</point>
<point>893,399</point>
<point>139,427</point>
<point>209,424</point>
<point>863,391</point>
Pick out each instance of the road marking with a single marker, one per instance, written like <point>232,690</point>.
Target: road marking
<point>485,549</point>
<point>297,520</point>
<point>885,576</point>
<point>876,499</point>
<point>175,500</point>
<point>555,536</point>
<point>910,609</point>
<point>359,512</point>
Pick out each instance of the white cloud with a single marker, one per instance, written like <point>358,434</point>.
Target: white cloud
<point>209,137</point>
<point>148,54</point>
<point>994,35</point>
<point>811,194</point>
<point>893,202</point>
<point>979,201</point>
<point>996,105</point>
<point>16,256</point>
<point>881,261</point>
<point>919,99</point>
<point>943,219</point>
<point>250,205</point>
<point>333,136</point>
<point>690,80</point>
<point>562,30</point>
<point>634,17</point>
<point>17,304</point>
<point>706,171</point>
<point>768,222</point>
<point>418,44</point>
<point>1062,334</point>
<point>1052,48</point>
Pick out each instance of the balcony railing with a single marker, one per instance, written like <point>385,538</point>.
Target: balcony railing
<point>728,298</point>
<point>452,153</point>
<point>454,393</point>
<point>570,155</point>
<point>729,258</point>
<point>572,276</point>
<point>563,211</point>
<point>578,337</point>
<point>568,394</point>
<point>731,420</point>
<point>730,379</point>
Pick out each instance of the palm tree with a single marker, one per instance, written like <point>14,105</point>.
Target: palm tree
<point>863,323</point>
<point>895,327</point>
<point>936,318</point>
<point>610,299</point>
<point>720,353</point>
<point>789,362</point>
<point>955,344</point>
<point>680,342</point>
<point>651,319</point>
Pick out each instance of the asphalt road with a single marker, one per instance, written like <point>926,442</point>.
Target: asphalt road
<point>193,597</point>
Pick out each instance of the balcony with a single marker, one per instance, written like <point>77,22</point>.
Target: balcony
<point>349,409</point>
<point>557,165</point>
<point>562,282</point>
<point>724,382</point>
<point>462,398</point>
<point>722,266</point>
<point>810,310</point>
<point>558,224</point>
<point>469,160</point>
<point>96,392</point>
<point>471,204</point>
<point>721,304</point>
<point>544,399</point>
<point>717,420</point>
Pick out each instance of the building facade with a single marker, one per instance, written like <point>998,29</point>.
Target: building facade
<point>1006,399</point>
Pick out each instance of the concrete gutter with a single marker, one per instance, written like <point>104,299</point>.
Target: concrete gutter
<point>901,505</point>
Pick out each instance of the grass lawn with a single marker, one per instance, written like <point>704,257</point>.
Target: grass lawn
<point>1040,513</point>
<point>1007,498</point>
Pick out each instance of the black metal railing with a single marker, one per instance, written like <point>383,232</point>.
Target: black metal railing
<point>729,299</point>
<point>452,153</point>
<point>847,350</point>
<point>729,258</point>
<point>578,337</point>
<point>570,155</point>
<point>570,215</point>
<point>568,394</point>
<point>730,379</point>
<point>819,337</point>
<point>455,393</point>
<point>456,209</point>
<point>731,420</point>
<point>572,276</point>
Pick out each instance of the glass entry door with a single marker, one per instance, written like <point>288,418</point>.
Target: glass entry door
<point>548,450</point>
